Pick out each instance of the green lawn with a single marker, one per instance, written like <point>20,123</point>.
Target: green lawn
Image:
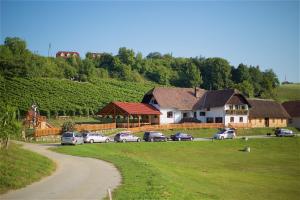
<point>288,92</point>
<point>202,170</point>
<point>20,167</point>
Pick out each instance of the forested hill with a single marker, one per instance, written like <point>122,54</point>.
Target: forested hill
<point>66,97</point>
<point>164,69</point>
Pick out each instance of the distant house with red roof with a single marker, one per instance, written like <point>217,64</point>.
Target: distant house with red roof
<point>66,54</point>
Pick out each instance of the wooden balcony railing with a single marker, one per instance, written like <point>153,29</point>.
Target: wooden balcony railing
<point>236,112</point>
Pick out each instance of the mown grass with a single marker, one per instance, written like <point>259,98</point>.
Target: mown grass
<point>20,167</point>
<point>288,92</point>
<point>202,170</point>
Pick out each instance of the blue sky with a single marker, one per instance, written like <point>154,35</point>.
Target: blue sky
<point>264,33</point>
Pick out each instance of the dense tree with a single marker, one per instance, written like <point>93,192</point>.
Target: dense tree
<point>240,74</point>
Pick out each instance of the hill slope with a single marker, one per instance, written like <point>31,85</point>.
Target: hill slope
<point>68,97</point>
<point>288,92</point>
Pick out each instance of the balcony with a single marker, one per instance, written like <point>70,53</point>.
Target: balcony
<point>236,112</point>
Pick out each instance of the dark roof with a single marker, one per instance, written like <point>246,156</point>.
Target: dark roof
<point>120,108</point>
<point>262,108</point>
<point>217,98</point>
<point>185,98</point>
<point>292,107</point>
<point>179,98</point>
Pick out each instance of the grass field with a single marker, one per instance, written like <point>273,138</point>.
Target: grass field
<point>288,92</point>
<point>202,170</point>
<point>20,167</point>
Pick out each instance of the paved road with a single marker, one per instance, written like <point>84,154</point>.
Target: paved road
<point>74,178</point>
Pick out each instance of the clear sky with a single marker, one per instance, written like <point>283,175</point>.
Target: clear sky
<point>264,33</point>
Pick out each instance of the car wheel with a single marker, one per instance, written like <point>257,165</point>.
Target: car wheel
<point>124,141</point>
<point>138,140</point>
<point>151,140</point>
<point>62,143</point>
<point>222,138</point>
<point>179,139</point>
<point>91,141</point>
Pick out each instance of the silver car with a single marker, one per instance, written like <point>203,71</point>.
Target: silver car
<point>126,136</point>
<point>92,137</point>
<point>71,138</point>
<point>226,133</point>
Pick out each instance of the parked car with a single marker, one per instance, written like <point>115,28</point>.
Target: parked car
<point>92,137</point>
<point>226,133</point>
<point>71,138</point>
<point>280,132</point>
<point>182,137</point>
<point>154,136</point>
<point>126,136</point>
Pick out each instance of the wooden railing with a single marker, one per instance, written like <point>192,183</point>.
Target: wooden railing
<point>94,127</point>
<point>131,125</point>
<point>176,126</point>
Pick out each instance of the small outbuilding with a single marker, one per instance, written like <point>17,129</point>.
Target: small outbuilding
<point>267,113</point>
<point>293,108</point>
<point>131,114</point>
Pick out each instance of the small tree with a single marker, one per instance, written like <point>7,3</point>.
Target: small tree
<point>68,126</point>
<point>8,125</point>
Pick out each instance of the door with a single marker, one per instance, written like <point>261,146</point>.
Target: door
<point>266,122</point>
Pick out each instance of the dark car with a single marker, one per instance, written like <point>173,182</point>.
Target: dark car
<point>182,137</point>
<point>280,132</point>
<point>154,137</point>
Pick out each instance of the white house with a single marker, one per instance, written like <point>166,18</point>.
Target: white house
<point>194,104</point>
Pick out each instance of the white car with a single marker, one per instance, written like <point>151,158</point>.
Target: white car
<point>225,134</point>
<point>91,137</point>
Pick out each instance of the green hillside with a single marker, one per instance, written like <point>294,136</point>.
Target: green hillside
<point>65,97</point>
<point>288,92</point>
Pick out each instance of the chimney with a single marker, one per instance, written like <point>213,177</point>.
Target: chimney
<point>197,92</point>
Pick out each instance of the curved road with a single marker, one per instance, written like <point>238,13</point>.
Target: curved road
<point>74,178</point>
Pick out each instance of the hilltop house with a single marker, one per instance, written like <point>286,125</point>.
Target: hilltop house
<point>194,104</point>
<point>66,54</point>
<point>293,108</point>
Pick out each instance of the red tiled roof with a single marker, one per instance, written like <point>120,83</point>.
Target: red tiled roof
<point>67,52</point>
<point>129,108</point>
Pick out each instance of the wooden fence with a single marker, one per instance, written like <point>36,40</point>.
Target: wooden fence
<point>78,127</point>
<point>176,126</point>
<point>240,125</point>
<point>47,131</point>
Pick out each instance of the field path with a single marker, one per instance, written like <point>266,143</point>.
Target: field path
<point>74,178</point>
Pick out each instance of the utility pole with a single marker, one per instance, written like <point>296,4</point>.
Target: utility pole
<point>49,48</point>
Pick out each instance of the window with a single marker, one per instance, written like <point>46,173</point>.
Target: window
<point>241,119</point>
<point>259,120</point>
<point>170,114</point>
<point>231,107</point>
<point>231,119</point>
<point>281,120</point>
<point>236,107</point>
<point>185,115</point>
<point>243,107</point>
<point>208,109</point>
<point>202,113</point>
<point>219,119</point>
<point>195,114</point>
<point>210,120</point>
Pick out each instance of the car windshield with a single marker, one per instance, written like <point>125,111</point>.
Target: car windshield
<point>84,134</point>
<point>221,132</point>
<point>157,134</point>
<point>68,135</point>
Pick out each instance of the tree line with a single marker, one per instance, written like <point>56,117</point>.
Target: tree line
<point>208,73</point>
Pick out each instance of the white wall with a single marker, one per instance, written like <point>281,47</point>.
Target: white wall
<point>177,116</point>
<point>214,112</point>
<point>236,119</point>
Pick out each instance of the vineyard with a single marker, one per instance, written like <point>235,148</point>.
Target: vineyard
<point>64,97</point>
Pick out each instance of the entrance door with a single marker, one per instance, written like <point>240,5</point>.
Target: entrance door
<point>267,122</point>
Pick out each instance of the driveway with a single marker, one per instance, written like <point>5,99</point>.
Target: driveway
<point>74,178</point>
